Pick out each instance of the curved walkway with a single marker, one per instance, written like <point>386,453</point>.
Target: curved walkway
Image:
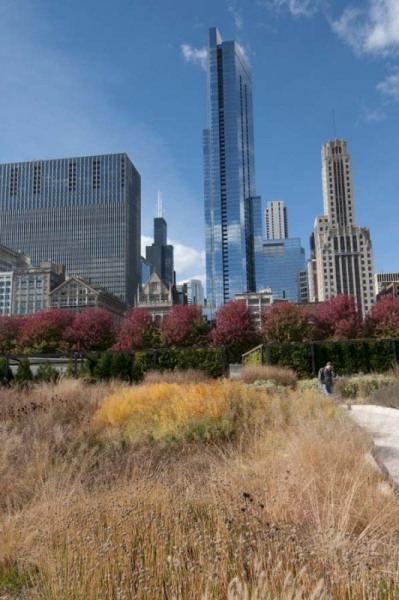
<point>382,424</point>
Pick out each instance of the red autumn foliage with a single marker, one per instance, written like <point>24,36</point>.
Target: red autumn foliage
<point>338,319</point>
<point>384,317</point>
<point>43,331</point>
<point>285,322</point>
<point>184,325</point>
<point>92,329</point>
<point>137,331</point>
<point>235,327</point>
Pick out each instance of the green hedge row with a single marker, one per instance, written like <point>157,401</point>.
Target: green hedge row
<point>348,358</point>
<point>132,367</point>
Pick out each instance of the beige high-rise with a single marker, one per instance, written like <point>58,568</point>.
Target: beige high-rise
<point>343,251</point>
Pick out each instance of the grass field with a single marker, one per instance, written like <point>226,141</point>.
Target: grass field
<point>189,491</point>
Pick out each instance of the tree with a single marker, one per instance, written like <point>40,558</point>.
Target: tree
<point>43,331</point>
<point>137,331</point>
<point>184,325</point>
<point>235,328</point>
<point>337,319</point>
<point>285,322</point>
<point>384,317</point>
<point>92,329</point>
<point>9,332</point>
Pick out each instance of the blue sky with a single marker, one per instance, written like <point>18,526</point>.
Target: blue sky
<point>90,76</point>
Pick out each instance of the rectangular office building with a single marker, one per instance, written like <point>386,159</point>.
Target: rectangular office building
<point>81,212</point>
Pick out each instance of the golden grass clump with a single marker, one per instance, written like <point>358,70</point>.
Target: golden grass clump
<point>174,411</point>
<point>279,375</point>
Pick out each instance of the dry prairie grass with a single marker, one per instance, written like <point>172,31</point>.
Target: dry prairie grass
<point>280,375</point>
<point>287,509</point>
<point>187,376</point>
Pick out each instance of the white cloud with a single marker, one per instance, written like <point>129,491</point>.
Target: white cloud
<point>244,53</point>
<point>145,241</point>
<point>197,56</point>
<point>232,8</point>
<point>374,31</point>
<point>372,115</point>
<point>298,8</point>
<point>187,260</point>
<point>390,86</point>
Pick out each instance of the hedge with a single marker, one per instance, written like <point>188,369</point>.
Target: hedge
<point>132,366</point>
<point>348,357</point>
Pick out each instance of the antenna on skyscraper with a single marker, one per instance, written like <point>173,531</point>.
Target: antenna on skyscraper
<point>333,117</point>
<point>159,205</point>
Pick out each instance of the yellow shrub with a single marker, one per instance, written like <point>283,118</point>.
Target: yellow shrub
<point>162,409</point>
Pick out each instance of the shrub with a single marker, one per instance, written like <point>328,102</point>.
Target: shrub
<point>103,368</point>
<point>296,357</point>
<point>386,396</point>
<point>142,362</point>
<point>121,366</point>
<point>209,360</point>
<point>24,373</point>
<point>174,412</point>
<point>309,384</point>
<point>361,386</point>
<point>47,373</point>
<point>279,375</point>
<point>176,376</point>
<point>6,375</point>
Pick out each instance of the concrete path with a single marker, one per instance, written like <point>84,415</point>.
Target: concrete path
<point>382,424</point>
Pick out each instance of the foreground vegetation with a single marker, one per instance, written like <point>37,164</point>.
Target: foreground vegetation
<point>242,492</point>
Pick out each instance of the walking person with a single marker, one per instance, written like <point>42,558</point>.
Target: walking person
<point>326,378</point>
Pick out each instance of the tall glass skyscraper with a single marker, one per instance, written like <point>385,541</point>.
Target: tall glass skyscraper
<point>233,221</point>
<point>84,213</point>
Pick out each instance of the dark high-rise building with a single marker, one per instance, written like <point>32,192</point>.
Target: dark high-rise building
<point>160,253</point>
<point>233,220</point>
<point>81,212</point>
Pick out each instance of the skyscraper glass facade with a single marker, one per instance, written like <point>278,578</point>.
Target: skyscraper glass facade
<point>284,261</point>
<point>232,210</point>
<point>81,212</point>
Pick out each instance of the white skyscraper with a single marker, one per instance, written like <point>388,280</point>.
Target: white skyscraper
<point>276,220</point>
<point>343,251</point>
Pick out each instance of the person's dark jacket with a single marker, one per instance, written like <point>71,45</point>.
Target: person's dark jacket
<point>326,376</point>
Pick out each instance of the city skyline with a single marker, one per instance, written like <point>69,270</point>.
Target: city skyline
<point>76,85</point>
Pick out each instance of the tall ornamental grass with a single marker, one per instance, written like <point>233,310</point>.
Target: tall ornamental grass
<point>285,507</point>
